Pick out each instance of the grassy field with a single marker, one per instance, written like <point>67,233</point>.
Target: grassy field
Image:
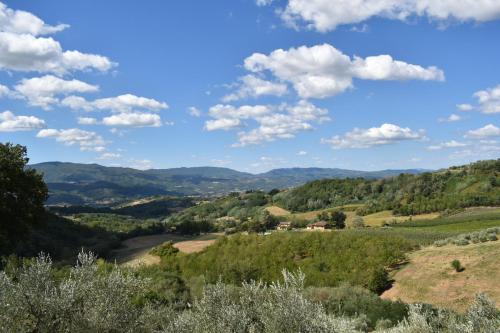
<point>277,211</point>
<point>470,220</point>
<point>430,278</point>
<point>386,216</point>
<point>372,220</point>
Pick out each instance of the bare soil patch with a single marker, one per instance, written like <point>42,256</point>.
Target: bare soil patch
<point>135,251</point>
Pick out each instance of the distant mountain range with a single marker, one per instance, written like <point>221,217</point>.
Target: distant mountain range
<point>93,184</point>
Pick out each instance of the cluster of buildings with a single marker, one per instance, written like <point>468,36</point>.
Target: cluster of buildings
<point>319,225</point>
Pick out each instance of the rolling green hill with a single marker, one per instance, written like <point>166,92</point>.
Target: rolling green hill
<point>476,184</point>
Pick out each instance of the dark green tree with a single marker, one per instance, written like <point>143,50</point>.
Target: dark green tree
<point>22,195</point>
<point>338,219</point>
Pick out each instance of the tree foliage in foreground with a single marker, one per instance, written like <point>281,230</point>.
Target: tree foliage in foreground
<point>22,195</point>
<point>92,300</point>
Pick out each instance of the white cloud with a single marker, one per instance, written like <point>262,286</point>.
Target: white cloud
<point>375,136</point>
<point>141,164</point>
<point>487,131</point>
<point>119,104</point>
<point>222,124</point>
<point>465,107</point>
<point>193,111</point>
<point>452,118</point>
<point>274,122</point>
<point>263,2</point>
<point>23,52</point>
<point>42,91</point>
<point>87,141</point>
<point>327,15</point>
<point>321,71</point>
<point>133,119</point>
<point>221,111</point>
<point>22,22</point>
<point>253,86</point>
<point>9,122</point>
<point>109,156</point>
<point>448,144</point>
<point>87,121</point>
<point>489,100</point>
<point>22,48</point>
<point>302,153</point>
<point>5,91</point>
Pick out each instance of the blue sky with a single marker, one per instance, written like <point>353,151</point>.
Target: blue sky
<point>252,84</point>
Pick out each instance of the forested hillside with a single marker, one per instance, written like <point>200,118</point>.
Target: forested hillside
<point>477,184</point>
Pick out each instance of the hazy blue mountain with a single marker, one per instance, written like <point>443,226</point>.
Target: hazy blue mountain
<point>78,184</point>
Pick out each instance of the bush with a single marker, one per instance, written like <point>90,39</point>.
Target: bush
<point>457,265</point>
<point>379,281</point>
<point>166,249</point>
<point>492,237</point>
<point>461,242</point>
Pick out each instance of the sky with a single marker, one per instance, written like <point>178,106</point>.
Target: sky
<point>252,84</point>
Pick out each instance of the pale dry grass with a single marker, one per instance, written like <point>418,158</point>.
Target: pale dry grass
<point>386,216</point>
<point>277,211</point>
<point>429,277</point>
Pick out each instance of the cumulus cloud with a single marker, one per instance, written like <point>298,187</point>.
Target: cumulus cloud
<point>9,122</point>
<point>273,122</point>
<point>464,107</point>
<point>452,118</point>
<point>27,53</point>
<point>133,119</point>
<point>87,121</point>
<point>302,153</point>
<point>327,15</point>
<point>487,131</point>
<point>374,136</point>
<point>489,100</point>
<point>23,49</point>
<point>193,111</point>
<point>22,22</point>
<point>321,71</point>
<point>448,144</point>
<point>43,91</point>
<point>87,141</point>
<point>253,86</point>
<point>119,104</point>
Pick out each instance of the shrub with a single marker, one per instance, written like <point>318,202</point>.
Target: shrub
<point>492,237</point>
<point>457,265</point>
<point>379,281</point>
<point>461,242</point>
<point>166,249</point>
<point>440,243</point>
